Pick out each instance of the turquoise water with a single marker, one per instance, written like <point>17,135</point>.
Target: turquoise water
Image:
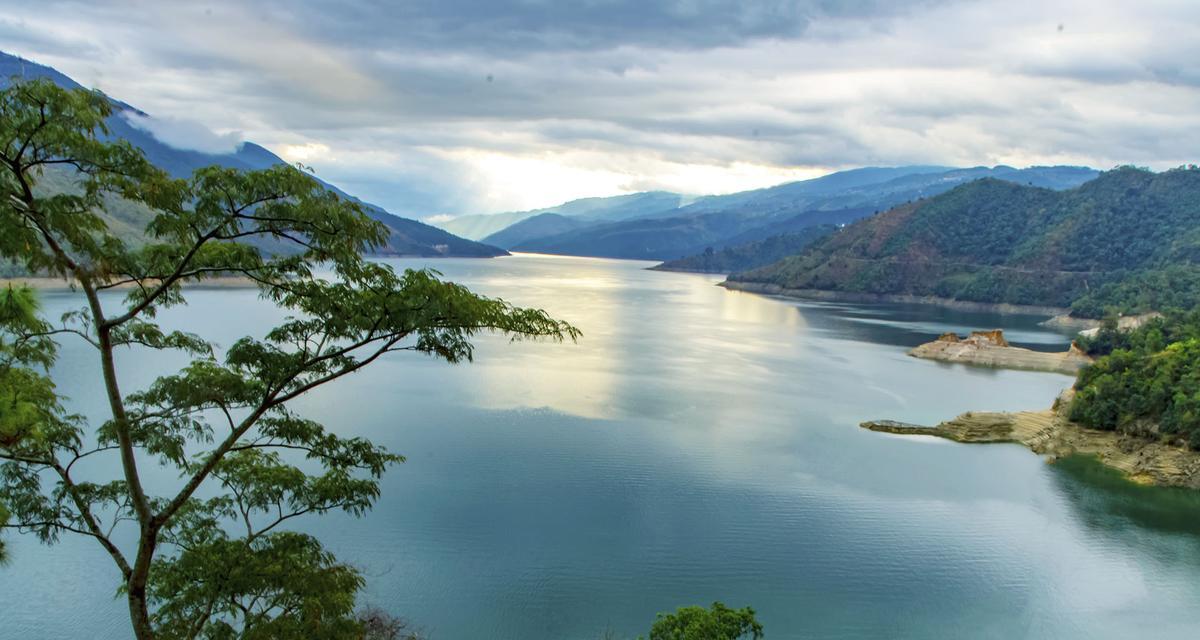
<point>696,445</point>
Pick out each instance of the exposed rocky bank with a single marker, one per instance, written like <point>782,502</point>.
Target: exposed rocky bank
<point>990,349</point>
<point>1049,433</point>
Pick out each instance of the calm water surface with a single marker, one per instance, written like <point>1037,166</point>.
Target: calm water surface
<point>696,445</point>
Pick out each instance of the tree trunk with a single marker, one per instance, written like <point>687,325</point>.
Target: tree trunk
<point>139,612</point>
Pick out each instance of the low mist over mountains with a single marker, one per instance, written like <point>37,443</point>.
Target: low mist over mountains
<point>664,226</point>
<point>1128,241</point>
<point>408,237</point>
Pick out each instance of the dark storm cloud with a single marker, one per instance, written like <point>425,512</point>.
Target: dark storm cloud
<point>552,25</point>
<point>471,105</point>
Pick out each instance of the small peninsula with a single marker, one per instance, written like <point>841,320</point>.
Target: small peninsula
<point>1050,433</point>
<point>991,349</point>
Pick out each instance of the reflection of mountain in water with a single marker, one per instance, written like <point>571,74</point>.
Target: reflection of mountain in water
<point>909,325</point>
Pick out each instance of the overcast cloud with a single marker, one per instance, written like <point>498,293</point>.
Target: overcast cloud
<point>454,106</point>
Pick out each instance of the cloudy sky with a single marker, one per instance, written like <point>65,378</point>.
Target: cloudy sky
<point>468,106</point>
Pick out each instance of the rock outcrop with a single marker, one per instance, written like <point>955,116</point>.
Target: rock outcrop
<point>991,349</point>
<point>1090,326</point>
<point>1048,432</point>
<point>1124,323</point>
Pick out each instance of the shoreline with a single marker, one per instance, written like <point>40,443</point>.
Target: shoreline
<point>700,271</point>
<point>1049,433</point>
<point>822,295</point>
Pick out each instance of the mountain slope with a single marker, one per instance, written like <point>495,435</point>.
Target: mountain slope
<point>598,210</point>
<point>749,255</point>
<point>646,239</point>
<point>718,222</point>
<point>408,237</point>
<point>995,241</point>
<point>539,226</point>
<point>876,188</point>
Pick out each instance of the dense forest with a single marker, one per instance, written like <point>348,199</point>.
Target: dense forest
<point>749,255</point>
<point>1145,382</point>
<point>1128,241</point>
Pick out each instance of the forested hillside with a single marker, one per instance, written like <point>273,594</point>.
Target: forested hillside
<point>1094,248</point>
<point>1146,382</point>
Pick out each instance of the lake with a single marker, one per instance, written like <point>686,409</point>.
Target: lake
<point>697,444</point>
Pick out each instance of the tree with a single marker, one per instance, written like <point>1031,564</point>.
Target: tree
<point>697,623</point>
<point>28,404</point>
<point>217,566</point>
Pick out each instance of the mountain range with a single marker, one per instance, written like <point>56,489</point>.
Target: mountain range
<point>596,210</point>
<point>407,237</point>
<point>1127,241</point>
<point>666,226</point>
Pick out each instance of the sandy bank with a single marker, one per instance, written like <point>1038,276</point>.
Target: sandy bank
<point>1049,433</point>
<point>990,349</point>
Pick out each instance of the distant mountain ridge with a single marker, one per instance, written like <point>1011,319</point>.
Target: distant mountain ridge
<point>749,255</point>
<point>408,237</point>
<point>719,222</point>
<point>596,210</point>
<point>1127,241</point>
<point>539,226</point>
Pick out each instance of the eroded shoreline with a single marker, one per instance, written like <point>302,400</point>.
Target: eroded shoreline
<point>990,349</point>
<point>1049,433</point>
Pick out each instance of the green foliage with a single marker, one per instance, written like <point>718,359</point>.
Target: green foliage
<point>697,623</point>
<point>377,624</point>
<point>28,402</point>
<point>216,585</point>
<point>1171,287</point>
<point>1147,381</point>
<point>1128,241</point>
<point>218,566</point>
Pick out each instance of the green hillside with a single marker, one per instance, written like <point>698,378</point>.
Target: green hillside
<point>1128,241</point>
<point>1145,382</point>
